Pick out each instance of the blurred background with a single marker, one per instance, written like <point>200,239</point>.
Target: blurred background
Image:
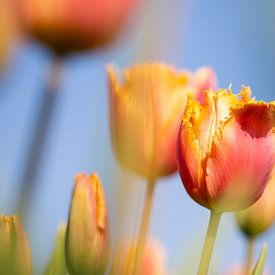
<point>236,38</point>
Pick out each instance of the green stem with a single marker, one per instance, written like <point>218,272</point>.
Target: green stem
<point>249,256</point>
<point>145,219</point>
<point>209,242</point>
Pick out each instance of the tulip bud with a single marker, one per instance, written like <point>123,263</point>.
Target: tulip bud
<point>15,254</point>
<point>153,262</point>
<point>146,108</point>
<point>73,25</point>
<point>226,149</point>
<point>57,264</point>
<point>87,240</point>
<point>260,216</point>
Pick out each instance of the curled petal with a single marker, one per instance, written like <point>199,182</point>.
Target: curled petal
<point>189,155</point>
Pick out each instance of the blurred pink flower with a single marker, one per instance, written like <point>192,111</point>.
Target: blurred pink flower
<point>239,270</point>
<point>73,25</point>
<point>153,263</point>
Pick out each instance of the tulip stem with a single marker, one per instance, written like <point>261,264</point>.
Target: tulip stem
<point>29,177</point>
<point>209,242</point>
<point>249,255</point>
<point>145,219</point>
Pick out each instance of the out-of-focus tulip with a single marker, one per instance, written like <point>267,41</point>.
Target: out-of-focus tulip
<point>15,254</point>
<point>146,108</point>
<point>153,262</point>
<point>203,79</point>
<point>7,31</point>
<point>226,149</point>
<point>87,239</point>
<point>260,216</point>
<point>238,270</point>
<point>73,25</point>
<point>57,264</point>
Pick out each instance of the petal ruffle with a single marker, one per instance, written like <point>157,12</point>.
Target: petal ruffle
<point>189,156</point>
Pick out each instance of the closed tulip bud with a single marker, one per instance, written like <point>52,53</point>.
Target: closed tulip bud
<point>146,108</point>
<point>226,149</point>
<point>153,262</point>
<point>15,254</point>
<point>57,264</point>
<point>87,239</point>
<point>260,216</point>
<point>73,25</point>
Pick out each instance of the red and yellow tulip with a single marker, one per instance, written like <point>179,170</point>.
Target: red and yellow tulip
<point>226,149</point>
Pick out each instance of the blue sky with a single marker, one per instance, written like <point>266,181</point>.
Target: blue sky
<point>236,38</point>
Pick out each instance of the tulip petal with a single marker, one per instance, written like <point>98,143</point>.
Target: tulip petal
<point>242,157</point>
<point>189,155</point>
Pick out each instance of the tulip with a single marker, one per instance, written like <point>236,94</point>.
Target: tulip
<point>57,263</point>
<point>226,154</point>
<point>73,25</point>
<point>238,270</point>
<point>87,240</point>
<point>153,261</point>
<point>256,219</point>
<point>146,108</point>
<point>15,254</point>
<point>214,172</point>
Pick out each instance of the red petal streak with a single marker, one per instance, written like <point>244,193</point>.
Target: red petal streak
<point>256,119</point>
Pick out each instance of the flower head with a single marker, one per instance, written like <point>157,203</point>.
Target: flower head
<point>226,149</point>
<point>153,262</point>
<point>146,108</point>
<point>87,238</point>
<point>15,254</point>
<point>261,215</point>
<point>73,25</point>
